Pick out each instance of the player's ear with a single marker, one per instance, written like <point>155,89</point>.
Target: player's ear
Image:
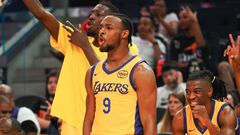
<point>210,92</point>
<point>125,34</point>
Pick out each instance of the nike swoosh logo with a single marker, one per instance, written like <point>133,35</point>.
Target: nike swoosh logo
<point>191,130</point>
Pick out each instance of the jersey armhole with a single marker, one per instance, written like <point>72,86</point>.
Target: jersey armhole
<point>92,71</point>
<point>184,120</point>
<point>131,74</point>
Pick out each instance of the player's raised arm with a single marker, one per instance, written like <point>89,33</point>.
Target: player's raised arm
<point>146,92</point>
<point>45,17</point>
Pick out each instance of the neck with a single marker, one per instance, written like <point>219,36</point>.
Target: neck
<point>118,55</point>
<point>209,107</point>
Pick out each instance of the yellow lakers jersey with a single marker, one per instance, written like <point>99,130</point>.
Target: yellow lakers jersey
<point>191,124</point>
<point>116,109</point>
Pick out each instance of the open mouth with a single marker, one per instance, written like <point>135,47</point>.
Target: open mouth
<point>101,40</point>
<point>89,25</point>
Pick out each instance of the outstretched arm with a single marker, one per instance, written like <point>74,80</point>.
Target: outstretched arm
<point>90,104</point>
<point>146,93</point>
<point>45,17</point>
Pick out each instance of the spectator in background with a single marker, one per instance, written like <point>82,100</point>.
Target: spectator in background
<point>176,101</point>
<point>172,79</point>
<point>5,107</point>
<point>19,113</point>
<point>168,23</point>
<point>150,48</point>
<point>10,126</point>
<point>29,128</point>
<point>186,47</point>
<point>42,108</point>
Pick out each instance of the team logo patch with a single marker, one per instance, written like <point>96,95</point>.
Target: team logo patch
<point>122,74</point>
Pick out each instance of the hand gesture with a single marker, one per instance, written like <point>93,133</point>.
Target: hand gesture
<point>76,36</point>
<point>233,53</point>
<point>200,112</point>
<point>191,15</point>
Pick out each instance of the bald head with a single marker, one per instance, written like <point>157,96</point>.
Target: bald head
<point>6,91</point>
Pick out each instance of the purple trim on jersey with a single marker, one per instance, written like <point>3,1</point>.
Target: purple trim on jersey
<point>138,124</point>
<point>211,115</point>
<point>222,107</point>
<point>110,72</point>
<point>131,74</point>
<point>92,71</point>
<point>184,120</point>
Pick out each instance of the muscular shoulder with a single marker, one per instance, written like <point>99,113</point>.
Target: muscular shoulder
<point>143,69</point>
<point>227,112</point>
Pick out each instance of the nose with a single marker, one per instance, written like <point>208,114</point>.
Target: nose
<point>91,16</point>
<point>101,31</point>
<point>191,96</point>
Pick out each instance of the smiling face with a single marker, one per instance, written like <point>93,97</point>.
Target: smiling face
<point>94,19</point>
<point>110,34</point>
<point>198,92</point>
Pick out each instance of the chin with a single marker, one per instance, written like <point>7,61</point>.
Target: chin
<point>106,49</point>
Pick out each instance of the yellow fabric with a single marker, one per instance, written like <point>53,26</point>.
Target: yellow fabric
<point>116,100</point>
<point>69,102</point>
<point>67,129</point>
<point>192,128</point>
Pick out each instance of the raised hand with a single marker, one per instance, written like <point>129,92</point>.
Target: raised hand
<point>190,14</point>
<point>76,36</point>
<point>233,53</point>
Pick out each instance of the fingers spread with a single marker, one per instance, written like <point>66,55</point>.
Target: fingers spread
<point>68,29</point>
<point>232,40</point>
<point>69,24</point>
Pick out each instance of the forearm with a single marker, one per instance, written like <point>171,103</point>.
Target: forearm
<point>87,127</point>
<point>198,34</point>
<point>35,7</point>
<point>150,128</point>
<point>46,18</point>
<point>90,54</point>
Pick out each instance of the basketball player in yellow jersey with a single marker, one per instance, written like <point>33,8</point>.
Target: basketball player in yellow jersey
<point>205,114</point>
<point>121,91</point>
<point>69,101</point>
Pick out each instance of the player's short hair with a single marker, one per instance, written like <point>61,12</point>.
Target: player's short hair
<point>112,8</point>
<point>219,90</point>
<point>127,24</point>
